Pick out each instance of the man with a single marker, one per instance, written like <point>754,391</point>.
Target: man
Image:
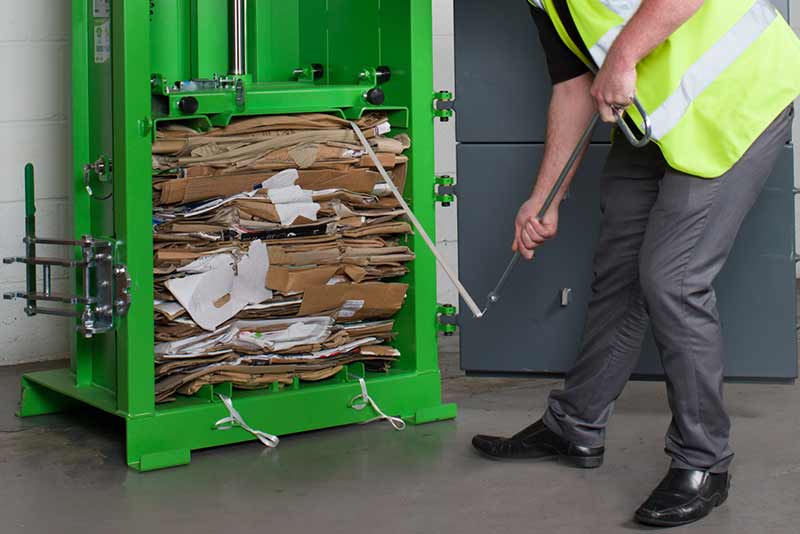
<point>717,78</point>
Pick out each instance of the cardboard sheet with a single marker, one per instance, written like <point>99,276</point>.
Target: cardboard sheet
<point>354,302</point>
<point>224,287</point>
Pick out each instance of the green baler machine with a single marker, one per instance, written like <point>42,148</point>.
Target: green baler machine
<point>139,63</point>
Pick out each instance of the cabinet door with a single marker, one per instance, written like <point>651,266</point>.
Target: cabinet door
<point>528,330</point>
<point>502,85</point>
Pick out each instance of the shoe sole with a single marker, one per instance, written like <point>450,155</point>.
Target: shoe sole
<point>658,523</point>
<point>582,462</point>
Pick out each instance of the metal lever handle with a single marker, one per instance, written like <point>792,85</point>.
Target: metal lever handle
<point>623,126</point>
<point>494,295</point>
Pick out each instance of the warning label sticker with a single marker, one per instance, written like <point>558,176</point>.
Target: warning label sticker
<point>102,42</point>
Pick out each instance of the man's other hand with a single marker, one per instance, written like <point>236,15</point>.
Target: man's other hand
<point>530,232</point>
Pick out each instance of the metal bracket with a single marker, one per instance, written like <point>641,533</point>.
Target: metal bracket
<point>566,297</point>
<point>446,319</point>
<point>444,105</point>
<point>310,73</point>
<point>105,284</point>
<point>445,190</point>
<point>103,169</point>
<point>240,93</point>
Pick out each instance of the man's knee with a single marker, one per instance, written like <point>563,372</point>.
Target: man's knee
<point>659,280</point>
<point>665,282</point>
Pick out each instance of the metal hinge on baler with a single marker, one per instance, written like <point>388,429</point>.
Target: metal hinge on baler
<point>105,284</point>
<point>446,319</point>
<point>443,105</point>
<point>445,190</point>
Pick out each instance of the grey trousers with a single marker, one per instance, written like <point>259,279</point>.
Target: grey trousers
<point>665,236</point>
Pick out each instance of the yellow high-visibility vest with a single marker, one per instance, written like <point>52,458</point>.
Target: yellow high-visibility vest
<point>713,87</point>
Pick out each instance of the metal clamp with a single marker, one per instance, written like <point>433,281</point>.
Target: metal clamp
<point>623,126</point>
<point>102,168</point>
<point>105,285</point>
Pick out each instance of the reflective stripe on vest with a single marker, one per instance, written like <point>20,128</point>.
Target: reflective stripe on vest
<point>537,3</point>
<point>710,65</point>
<point>624,9</point>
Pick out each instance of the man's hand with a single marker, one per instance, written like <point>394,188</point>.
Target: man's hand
<point>532,232</point>
<point>614,87</point>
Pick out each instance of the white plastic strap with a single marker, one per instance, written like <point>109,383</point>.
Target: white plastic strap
<point>366,400</point>
<point>235,419</point>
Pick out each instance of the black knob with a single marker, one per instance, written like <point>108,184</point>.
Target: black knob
<point>188,105</point>
<point>318,70</point>
<point>383,74</point>
<point>376,96</point>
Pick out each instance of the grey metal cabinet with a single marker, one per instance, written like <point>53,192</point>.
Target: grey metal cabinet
<point>502,90</point>
<point>529,330</point>
<point>502,85</point>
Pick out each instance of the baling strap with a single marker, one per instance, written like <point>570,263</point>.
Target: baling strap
<point>236,420</point>
<point>363,400</point>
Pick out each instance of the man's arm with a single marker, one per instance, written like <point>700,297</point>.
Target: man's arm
<point>571,107</point>
<point>653,23</point>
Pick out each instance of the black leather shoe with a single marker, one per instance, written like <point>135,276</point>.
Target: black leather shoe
<point>684,496</point>
<point>537,442</point>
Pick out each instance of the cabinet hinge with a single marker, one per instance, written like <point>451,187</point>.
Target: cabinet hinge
<point>443,105</point>
<point>445,190</point>
<point>446,319</point>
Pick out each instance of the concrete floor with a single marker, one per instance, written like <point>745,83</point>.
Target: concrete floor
<point>66,473</point>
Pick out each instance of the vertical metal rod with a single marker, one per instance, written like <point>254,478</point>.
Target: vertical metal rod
<point>46,279</point>
<point>237,35</point>
<point>86,252</point>
<point>30,236</point>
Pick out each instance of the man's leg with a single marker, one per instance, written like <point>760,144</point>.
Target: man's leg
<point>617,318</point>
<point>692,229</point>
<point>573,427</point>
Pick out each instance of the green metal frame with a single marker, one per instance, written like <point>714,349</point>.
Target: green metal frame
<point>115,372</point>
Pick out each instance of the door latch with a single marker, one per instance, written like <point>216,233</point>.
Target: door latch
<point>105,284</point>
<point>102,168</point>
